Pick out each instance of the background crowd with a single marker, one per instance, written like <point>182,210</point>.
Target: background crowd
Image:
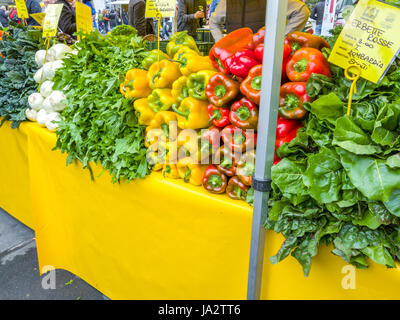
<point>220,15</point>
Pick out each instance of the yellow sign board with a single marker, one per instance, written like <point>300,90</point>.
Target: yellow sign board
<point>370,39</point>
<point>21,9</point>
<point>50,21</point>
<point>38,17</point>
<point>84,20</point>
<point>165,7</point>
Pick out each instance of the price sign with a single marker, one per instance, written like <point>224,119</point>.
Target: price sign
<point>370,39</point>
<point>21,9</point>
<point>165,7</point>
<point>38,17</point>
<point>84,19</point>
<point>50,21</point>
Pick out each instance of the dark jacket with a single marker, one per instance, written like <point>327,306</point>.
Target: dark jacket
<point>317,12</point>
<point>186,11</point>
<point>3,18</point>
<point>67,22</point>
<point>136,17</point>
<point>245,13</point>
<point>33,6</point>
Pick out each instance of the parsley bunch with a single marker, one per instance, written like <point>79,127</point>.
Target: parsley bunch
<point>99,125</point>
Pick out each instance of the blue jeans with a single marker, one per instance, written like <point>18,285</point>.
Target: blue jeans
<point>318,29</point>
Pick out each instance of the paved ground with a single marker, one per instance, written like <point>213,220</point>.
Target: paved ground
<point>19,273</point>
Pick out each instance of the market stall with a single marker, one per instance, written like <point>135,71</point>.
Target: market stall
<point>138,223</point>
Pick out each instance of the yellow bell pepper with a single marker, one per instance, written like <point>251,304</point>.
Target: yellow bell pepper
<point>189,63</point>
<point>143,112</point>
<point>192,114</point>
<point>162,74</point>
<point>156,157</point>
<point>179,89</point>
<point>161,100</point>
<point>170,171</point>
<point>190,171</point>
<point>161,121</point>
<point>136,84</point>
<point>183,50</point>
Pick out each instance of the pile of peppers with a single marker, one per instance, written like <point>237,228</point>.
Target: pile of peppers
<point>218,96</point>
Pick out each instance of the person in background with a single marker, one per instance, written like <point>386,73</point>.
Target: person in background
<point>166,31</point>
<point>106,15</point>
<point>67,22</point>
<point>213,6</point>
<point>3,17</point>
<point>217,21</point>
<point>119,19</point>
<point>191,15</point>
<point>33,6</point>
<point>14,16</point>
<point>136,18</point>
<point>100,22</point>
<point>90,4</point>
<point>113,19</point>
<point>317,14</point>
<point>251,13</point>
<point>125,18</point>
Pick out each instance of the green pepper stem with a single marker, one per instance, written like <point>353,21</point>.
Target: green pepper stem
<point>256,83</point>
<point>301,65</point>
<point>216,115</point>
<point>243,113</point>
<point>220,91</point>
<point>187,174</point>
<point>181,113</point>
<point>215,181</point>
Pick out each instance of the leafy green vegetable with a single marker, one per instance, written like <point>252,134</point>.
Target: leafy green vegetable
<point>338,182</point>
<point>99,125</point>
<point>17,69</point>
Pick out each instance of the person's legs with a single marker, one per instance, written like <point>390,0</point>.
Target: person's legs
<point>318,29</point>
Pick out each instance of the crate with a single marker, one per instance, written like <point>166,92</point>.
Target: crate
<point>153,45</point>
<point>204,35</point>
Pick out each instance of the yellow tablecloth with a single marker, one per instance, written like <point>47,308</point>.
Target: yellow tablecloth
<point>154,238</point>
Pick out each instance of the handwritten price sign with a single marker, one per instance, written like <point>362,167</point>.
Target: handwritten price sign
<point>50,21</point>
<point>165,7</point>
<point>84,20</point>
<point>21,9</point>
<point>370,39</point>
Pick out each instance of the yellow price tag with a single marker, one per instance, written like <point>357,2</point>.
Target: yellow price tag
<point>38,17</point>
<point>165,7</point>
<point>22,11</point>
<point>50,21</point>
<point>84,20</point>
<point>370,39</point>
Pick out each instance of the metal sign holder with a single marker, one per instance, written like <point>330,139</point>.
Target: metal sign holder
<point>268,115</point>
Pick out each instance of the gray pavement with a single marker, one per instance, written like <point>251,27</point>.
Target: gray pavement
<point>19,271</point>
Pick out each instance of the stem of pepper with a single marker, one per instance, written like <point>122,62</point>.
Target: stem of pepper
<point>226,163</point>
<point>256,83</point>
<point>220,91</point>
<point>243,113</point>
<point>214,181</point>
<point>187,174</point>
<point>301,65</point>
<point>165,129</point>
<point>181,113</point>
<point>295,46</point>
<point>291,101</point>
<point>216,115</point>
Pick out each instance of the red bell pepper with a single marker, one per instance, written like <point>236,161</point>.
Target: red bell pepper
<point>221,89</point>
<point>287,53</point>
<point>241,62</point>
<point>251,86</point>
<point>305,62</point>
<point>244,114</point>
<point>258,38</point>
<point>299,40</point>
<point>286,131</point>
<point>228,46</point>
<point>214,181</point>
<point>210,140</point>
<point>236,189</point>
<point>218,116</point>
<point>291,101</point>
<point>239,140</point>
<point>259,52</point>
<point>227,161</point>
